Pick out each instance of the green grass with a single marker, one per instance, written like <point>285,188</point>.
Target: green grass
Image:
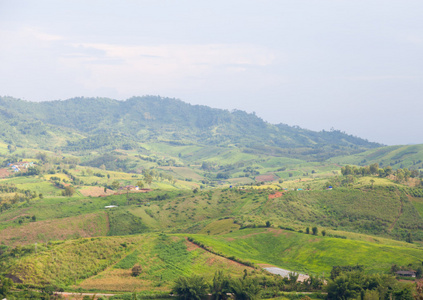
<point>122,222</point>
<point>71,261</point>
<point>405,156</point>
<point>128,261</point>
<point>307,253</point>
<point>220,227</point>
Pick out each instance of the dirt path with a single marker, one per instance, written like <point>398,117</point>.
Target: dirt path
<point>72,295</point>
<point>193,246</point>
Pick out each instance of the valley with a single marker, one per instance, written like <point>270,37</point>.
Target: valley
<point>85,198</point>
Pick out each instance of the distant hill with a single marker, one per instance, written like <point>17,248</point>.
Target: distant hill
<point>84,124</point>
<point>410,156</point>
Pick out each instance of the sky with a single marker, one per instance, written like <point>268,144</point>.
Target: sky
<point>355,66</point>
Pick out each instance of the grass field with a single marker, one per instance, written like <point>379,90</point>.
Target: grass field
<point>29,232</point>
<point>106,263</point>
<point>308,253</point>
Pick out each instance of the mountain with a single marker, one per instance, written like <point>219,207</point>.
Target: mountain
<point>83,124</point>
<point>408,156</point>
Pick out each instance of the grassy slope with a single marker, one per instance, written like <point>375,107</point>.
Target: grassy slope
<point>307,253</point>
<point>106,263</point>
<point>87,225</point>
<point>373,211</point>
<point>408,156</point>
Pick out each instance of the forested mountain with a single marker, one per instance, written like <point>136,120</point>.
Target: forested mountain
<point>80,124</point>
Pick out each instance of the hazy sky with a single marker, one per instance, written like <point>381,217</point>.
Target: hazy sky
<point>353,65</point>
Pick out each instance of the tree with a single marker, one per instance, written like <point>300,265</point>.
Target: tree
<point>388,170</point>
<point>220,286</point>
<point>308,230</point>
<point>5,285</point>
<point>190,288</point>
<point>69,191</point>
<point>323,232</point>
<point>315,230</point>
<point>148,178</point>
<point>374,168</point>
<point>268,223</point>
<point>115,185</point>
<point>11,148</point>
<point>409,238</point>
<point>136,270</point>
<point>140,184</point>
<point>347,170</point>
<point>245,289</point>
<point>344,287</point>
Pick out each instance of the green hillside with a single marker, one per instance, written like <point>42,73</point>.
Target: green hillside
<point>384,210</point>
<point>108,124</point>
<point>106,263</point>
<point>91,187</point>
<point>410,156</point>
<point>308,253</point>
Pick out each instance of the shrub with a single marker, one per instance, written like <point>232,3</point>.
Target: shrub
<point>136,270</point>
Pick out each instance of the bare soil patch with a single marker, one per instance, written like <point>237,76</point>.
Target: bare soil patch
<point>4,173</point>
<point>96,191</point>
<point>120,280</point>
<point>276,195</point>
<point>191,246</point>
<point>266,177</point>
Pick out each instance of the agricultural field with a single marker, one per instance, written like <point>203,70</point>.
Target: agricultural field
<point>187,221</point>
<point>307,253</point>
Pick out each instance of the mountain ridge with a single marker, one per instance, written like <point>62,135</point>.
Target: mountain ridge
<point>154,118</point>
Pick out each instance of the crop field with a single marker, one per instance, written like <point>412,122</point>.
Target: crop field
<point>95,191</point>
<point>69,262</point>
<point>29,232</point>
<point>184,172</point>
<point>308,253</point>
<point>163,258</point>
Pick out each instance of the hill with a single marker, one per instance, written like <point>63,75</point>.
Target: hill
<point>100,123</point>
<point>384,210</point>
<point>409,156</point>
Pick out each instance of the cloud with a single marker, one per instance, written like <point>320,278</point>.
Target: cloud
<point>163,66</point>
<point>380,78</point>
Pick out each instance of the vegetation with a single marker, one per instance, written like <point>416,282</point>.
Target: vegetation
<point>152,194</point>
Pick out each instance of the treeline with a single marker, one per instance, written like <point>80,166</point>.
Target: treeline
<point>7,201</point>
<point>346,282</point>
<point>373,169</point>
<point>248,287</point>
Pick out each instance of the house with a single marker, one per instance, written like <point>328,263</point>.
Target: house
<point>20,165</point>
<point>406,273</point>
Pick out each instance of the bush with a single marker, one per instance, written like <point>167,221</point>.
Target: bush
<point>136,270</point>
<point>190,287</point>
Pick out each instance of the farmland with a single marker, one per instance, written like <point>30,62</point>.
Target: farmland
<point>192,194</point>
